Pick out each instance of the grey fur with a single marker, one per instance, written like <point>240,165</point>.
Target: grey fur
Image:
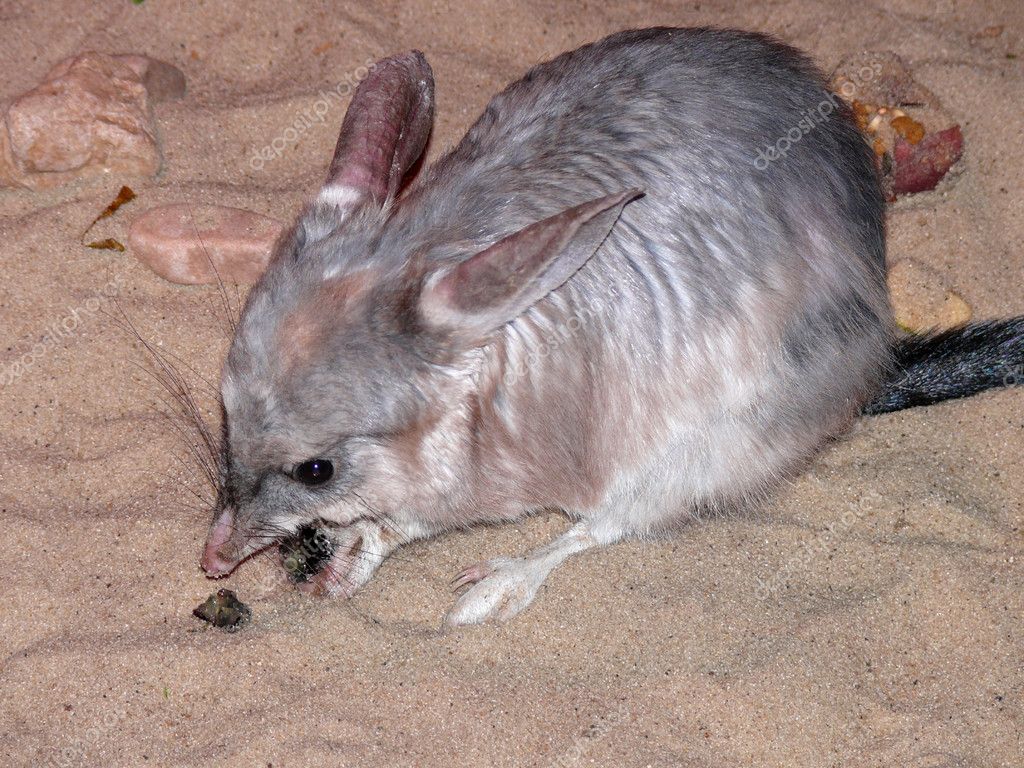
<point>734,318</point>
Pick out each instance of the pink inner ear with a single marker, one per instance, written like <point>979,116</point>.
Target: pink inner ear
<point>385,128</point>
<point>501,270</point>
<point>492,287</point>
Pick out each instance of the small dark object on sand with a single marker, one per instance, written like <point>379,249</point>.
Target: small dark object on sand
<point>306,553</point>
<point>224,610</point>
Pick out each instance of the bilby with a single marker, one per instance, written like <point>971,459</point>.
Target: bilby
<point>599,301</point>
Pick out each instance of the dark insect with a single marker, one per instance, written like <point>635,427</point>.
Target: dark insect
<point>306,553</point>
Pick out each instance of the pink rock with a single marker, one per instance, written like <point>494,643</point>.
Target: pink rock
<point>919,167</point>
<point>185,243</point>
<point>91,115</point>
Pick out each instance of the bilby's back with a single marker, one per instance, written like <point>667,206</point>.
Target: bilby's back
<point>738,311</point>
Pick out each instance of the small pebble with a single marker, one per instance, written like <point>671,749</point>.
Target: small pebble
<point>180,241</point>
<point>224,610</point>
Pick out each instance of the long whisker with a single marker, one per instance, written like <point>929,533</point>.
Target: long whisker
<point>382,519</point>
<point>170,379</point>
<point>180,409</point>
<point>207,504</point>
<point>229,313</point>
<point>208,386</point>
<point>207,469</point>
<point>175,481</point>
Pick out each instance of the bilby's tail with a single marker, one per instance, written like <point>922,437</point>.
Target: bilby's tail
<point>954,363</point>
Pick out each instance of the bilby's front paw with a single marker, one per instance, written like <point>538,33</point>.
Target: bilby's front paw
<point>357,550</point>
<point>501,588</point>
<point>498,590</point>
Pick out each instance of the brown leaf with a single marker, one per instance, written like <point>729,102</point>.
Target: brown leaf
<point>110,244</point>
<point>126,195</point>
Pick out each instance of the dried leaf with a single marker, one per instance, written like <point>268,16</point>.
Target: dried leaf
<point>126,195</point>
<point>110,244</point>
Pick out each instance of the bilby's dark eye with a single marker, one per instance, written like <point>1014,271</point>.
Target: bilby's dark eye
<point>314,471</point>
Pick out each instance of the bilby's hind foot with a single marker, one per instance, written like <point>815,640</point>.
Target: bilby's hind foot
<point>499,589</point>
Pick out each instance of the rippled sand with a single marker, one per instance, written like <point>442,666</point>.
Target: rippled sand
<point>871,617</point>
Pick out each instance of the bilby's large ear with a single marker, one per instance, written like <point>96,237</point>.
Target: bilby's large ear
<point>384,132</point>
<point>481,294</point>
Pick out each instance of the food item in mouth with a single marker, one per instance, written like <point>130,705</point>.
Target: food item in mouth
<point>306,553</point>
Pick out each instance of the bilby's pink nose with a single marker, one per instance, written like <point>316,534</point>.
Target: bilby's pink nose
<point>214,562</point>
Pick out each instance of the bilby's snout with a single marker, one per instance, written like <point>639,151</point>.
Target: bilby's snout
<point>221,553</point>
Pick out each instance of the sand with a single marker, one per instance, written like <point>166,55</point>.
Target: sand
<point>872,616</point>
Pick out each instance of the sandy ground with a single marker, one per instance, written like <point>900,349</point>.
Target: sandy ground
<point>871,617</point>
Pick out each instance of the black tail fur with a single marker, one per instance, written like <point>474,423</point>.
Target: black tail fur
<point>955,363</point>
